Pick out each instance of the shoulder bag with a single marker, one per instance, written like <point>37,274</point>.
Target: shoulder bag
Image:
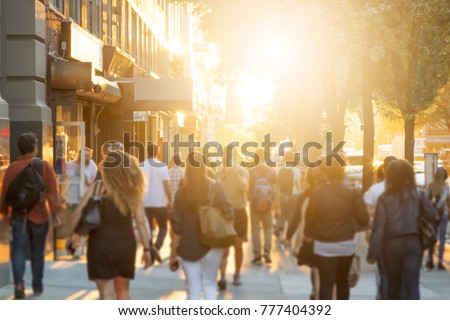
<point>428,236</point>
<point>91,214</point>
<point>216,231</point>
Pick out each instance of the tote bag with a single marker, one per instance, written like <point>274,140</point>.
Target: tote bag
<point>216,231</point>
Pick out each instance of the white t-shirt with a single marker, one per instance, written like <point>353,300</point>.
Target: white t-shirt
<point>72,183</point>
<point>375,191</point>
<point>335,249</point>
<point>155,173</point>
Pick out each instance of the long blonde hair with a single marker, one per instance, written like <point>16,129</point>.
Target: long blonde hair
<point>123,181</point>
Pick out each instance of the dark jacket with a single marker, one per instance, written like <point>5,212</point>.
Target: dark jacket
<point>187,225</point>
<point>296,219</point>
<point>335,213</point>
<point>397,216</point>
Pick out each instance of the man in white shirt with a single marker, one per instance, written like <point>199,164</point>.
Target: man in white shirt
<point>157,196</point>
<point>71,192</point>
<point>73,177</point>
<point>370,198</point>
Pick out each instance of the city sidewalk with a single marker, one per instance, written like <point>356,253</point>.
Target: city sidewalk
<point>279,281</point>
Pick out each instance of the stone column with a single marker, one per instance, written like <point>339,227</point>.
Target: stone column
<point>24,69</point>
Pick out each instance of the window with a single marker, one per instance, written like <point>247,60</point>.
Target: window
<point>127,28</point>
<point>109,22</point>
<point>134,34</point>
<point>58,4</point>
<point>75,10</point>
<point>95,18</point>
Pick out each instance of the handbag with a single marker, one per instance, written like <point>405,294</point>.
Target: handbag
<point>428,236</point>
<point>305,255</point>
<point>91,214</point>
<point>216,231</point>
<point>355,271</point>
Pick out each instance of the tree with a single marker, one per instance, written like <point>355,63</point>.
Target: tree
<point>417,61</point>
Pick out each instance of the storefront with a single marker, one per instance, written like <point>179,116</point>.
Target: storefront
<point>149,112</point>
<point>79,98</point>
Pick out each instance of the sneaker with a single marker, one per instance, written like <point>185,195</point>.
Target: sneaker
<point>222,284</point>
<point>237,280</point>
<point>257,261</point>
<point>37,292</point>
<point>267,259</point>
<point>440,266</point>
<point>19,292</point>
<point>429,265</point>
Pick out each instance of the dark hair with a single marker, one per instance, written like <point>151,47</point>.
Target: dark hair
<point>380,173</point>
<point>27,142</point>
<point>387,161</point>
<point>195,180</point>
<point>400,177</point>
<point>152,150</point>
<point>441,172</point>
<point>335,171</point>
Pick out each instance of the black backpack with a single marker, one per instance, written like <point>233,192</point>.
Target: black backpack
<point>286,180</point>
<point>27,188</point>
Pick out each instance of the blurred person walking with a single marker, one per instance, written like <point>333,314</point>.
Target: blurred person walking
<point>111,250</point>
<point>72,183</point>
<point>200,262</point>
<point>263,182</point>
<point>176,175</point>
<point>176,178</point>
<point>314,178</point>
<point>396,230</point>
<point>438,193</point>
<point>288,185</point>
<point>157,198</point>
<point>30,225</point>
<point>234,180</point>
<point>333,212</point>
<point>371,198</point>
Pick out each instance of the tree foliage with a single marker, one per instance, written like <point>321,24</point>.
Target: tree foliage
<point>407,43</point>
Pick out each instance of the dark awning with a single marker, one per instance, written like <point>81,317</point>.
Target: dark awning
<point>109,91</point>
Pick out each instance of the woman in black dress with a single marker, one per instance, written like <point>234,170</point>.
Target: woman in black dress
<point>111,249</point>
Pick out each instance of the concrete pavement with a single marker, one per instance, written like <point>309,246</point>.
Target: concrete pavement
<point>281,280</point>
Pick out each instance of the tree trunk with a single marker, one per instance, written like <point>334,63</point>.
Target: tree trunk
<point>368,120</point>
<point>409,137</point>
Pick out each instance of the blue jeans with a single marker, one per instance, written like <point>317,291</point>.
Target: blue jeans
<point>441,230</point>
<point>402,261</point>
<point>26,236</point>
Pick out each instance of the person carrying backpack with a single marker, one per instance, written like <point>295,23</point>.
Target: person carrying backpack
<point>288,189</point>
<point>263,182</point>
<point>438,193</point>
<point>30,195</point>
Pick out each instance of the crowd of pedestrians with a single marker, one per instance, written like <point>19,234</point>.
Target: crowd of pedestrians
<point>122,204</point>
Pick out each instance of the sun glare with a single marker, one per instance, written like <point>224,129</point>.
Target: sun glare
<point>273,50</point>
<point>254,92</point>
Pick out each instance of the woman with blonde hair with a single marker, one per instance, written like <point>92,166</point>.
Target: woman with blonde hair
<point>111,251</point>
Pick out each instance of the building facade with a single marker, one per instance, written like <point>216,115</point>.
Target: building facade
<point>83,72</point>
